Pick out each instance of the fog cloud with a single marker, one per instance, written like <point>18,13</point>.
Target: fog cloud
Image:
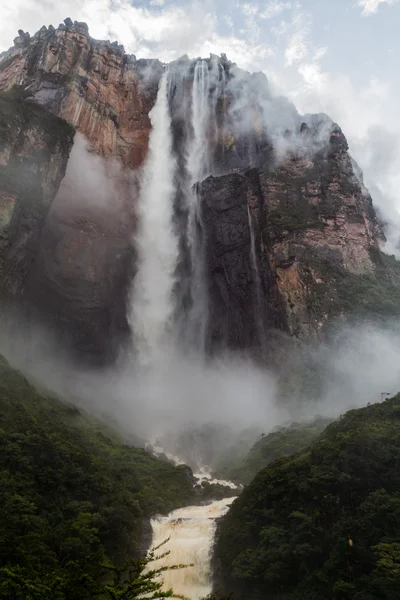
<point>95,183</point>
<point>186,393</point>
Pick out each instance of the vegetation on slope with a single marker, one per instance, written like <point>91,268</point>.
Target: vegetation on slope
<point>283,442</point>
<point>73,496</point>
<point>367,297</point>
<point>323,523</point>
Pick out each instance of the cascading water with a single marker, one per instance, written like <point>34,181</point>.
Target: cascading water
<point>156,242</point>
<point>205,93</point>
<point>253,256</point>
<point>199,161</point>
<point>191,532</point>
<point>191,529</point>
<point>222,92</point>
<point>257,279</point>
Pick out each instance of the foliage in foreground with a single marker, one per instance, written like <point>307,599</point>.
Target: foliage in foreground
<point>73,496</point>
<point>323,523</point>
<point>131,581</point>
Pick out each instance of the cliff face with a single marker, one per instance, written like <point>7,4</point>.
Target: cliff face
<point>272,234</point>
<point>34,150</point>
<point>80,279</point>
<point>84,266</point>
<point>86,261</point>
<point>290,234</point>
<point>103,92</point>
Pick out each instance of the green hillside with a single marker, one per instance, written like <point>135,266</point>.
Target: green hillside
<point>283,442</point>
<point>323,523</point>
<point>73,496</point>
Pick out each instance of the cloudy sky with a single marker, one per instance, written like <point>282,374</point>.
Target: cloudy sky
<point>336,57</point>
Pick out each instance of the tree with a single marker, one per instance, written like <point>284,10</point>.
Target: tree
<point>135,580</point>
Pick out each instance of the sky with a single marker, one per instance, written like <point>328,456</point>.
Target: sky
<point>337,57</point>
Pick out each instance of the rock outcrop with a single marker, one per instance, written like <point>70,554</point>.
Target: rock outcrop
<point>98,88</point>
<point>272,234</point>
<point>34,150</point>
<point>79,282</point>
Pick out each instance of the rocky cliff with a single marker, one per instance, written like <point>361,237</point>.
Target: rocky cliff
<point>34,150</point>
<point>80,280</point>
<point>276,236</point>
<point>103,92</point>
<point>289,233</point>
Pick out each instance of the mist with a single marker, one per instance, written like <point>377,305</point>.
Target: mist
<point>257,108</point>
<point>230,399</point>
<point>95,183</point>
<point>158,390</point>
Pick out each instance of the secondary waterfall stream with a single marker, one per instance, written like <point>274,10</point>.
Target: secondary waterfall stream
<point>191,532</point>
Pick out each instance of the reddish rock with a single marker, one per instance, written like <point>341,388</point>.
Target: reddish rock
<point>103,92</point>
<point>308,210</point>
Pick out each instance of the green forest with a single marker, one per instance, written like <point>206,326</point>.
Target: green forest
<point>320,520</point>
<point>282,442</point>
<point>73,496</point>
<point>324,522</point>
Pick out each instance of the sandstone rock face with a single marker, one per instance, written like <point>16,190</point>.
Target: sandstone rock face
<point>265,228</point>
<point>34,150</point>
<point>83,271</point>
<point>80,280</point>
<point>79,283</point>
<point>284,215</point>
<point>103,92</point>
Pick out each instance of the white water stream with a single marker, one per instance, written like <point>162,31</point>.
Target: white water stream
<point>156,241</point>
<point>191,532</point>
<point>208,85</point>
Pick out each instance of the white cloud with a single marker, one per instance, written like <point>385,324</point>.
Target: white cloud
<point>371,6</point>
<point>298,47</point>
<point>274,8</point>
<point>250,9</point>
<point>154,31</point>
<point>229,21</point>
<point>320,52</point>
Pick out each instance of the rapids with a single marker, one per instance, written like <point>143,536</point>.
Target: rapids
<point>191,531</point>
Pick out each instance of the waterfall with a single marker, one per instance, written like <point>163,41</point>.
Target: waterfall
<point>199,162</point>
<point>199,165</point>
<point>253,257</point>
<point>156,242</point>
<point>222,126</point>
<point>256,273</point>
<point>191,531</point>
